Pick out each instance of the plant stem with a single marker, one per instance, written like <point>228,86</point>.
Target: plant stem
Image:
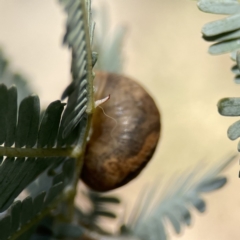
<point>79,150</point>
<point>35,152</point>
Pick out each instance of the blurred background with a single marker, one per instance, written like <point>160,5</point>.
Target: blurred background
<point>164,51</point>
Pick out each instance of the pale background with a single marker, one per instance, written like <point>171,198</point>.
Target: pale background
<point>164,51</point>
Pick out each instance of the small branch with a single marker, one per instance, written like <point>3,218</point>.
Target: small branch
<point>79,155</point>
<point>35,152</point>
<point>79,149</point>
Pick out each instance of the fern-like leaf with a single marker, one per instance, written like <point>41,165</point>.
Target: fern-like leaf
<point>225,32</point>
<point>175,204</point>
<point>22,137</point>
<point>100,204</point>
<point>27,143</point>
<point>23,216</point>
<point>80,91</point>
<point>231,107</point>
<point>25,139</point>
<point>99,208</point>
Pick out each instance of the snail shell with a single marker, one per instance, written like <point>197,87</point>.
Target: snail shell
<point>118,150</point>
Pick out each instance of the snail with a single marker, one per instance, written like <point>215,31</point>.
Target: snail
<point>124,135</point>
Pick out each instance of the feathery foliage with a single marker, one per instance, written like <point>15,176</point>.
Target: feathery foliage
<point>226,33</point>
<point>99,208</point>
<point>24,133</point>
<point>80,91</point>
<point>16,173</point>
<point>100,204</point>
<point>175,203</point>
<point>23,216</point>
<point>27,143</point>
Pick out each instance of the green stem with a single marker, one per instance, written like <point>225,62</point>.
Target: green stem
<point>35,152</point>
<point>79,150</point>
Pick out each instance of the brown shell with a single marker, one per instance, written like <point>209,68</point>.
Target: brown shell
<point>117,152</point>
